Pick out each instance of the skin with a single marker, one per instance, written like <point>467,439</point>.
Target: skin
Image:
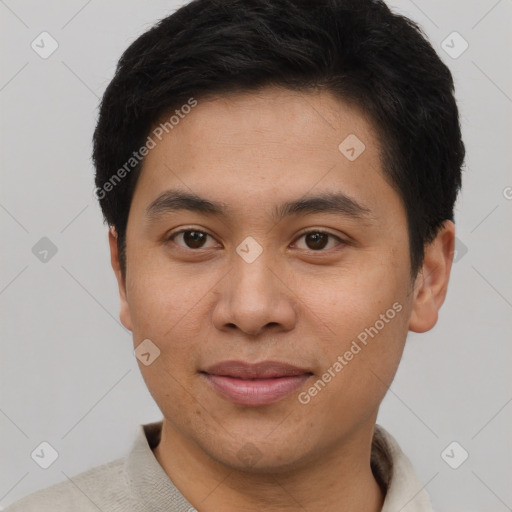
<point>295,303</point>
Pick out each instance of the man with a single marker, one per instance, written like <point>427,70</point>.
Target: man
<point>278,177</point>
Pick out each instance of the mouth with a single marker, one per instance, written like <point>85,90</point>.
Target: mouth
<point>254,385</point>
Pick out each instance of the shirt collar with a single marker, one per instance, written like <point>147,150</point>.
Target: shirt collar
<point>404,492</point>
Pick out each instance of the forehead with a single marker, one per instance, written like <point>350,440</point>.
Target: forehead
<point>267,147</point>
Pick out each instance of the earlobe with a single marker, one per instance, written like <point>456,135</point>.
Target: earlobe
<point>432,281</point>
<point>124,314</point>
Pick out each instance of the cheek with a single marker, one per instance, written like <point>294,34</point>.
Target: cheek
<point>360,367</point>
<point>350,300</point>
<point>165,300</point>
<point>167,309</point>
<point>367,315</point>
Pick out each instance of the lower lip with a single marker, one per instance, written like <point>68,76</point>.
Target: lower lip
<point>255,392</point>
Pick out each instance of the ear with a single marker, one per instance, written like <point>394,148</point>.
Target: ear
<point>124,315</point>
<point>431,282</point>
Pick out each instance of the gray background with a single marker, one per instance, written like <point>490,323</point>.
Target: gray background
<point>68,374</point>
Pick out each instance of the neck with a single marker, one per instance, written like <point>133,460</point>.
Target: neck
<point>340,480</point>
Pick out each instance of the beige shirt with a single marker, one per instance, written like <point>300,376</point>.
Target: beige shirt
<point>137,482</point>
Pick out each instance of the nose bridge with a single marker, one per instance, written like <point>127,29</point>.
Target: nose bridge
<point>254,297</point>
<point>252,280</point>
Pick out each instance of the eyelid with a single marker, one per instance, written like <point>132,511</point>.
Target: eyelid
<point>322,231</point>
<point>185,229</point>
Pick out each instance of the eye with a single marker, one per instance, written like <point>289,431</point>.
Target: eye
<point>318,240</point>
<point>196,239</point>
<point>192,238</point>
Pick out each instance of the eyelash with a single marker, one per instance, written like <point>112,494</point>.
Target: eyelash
<point>171,238</point>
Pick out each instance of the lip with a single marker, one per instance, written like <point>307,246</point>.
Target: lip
<point>255,384</point>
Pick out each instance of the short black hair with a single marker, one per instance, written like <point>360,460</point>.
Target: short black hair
<point>359,50</point>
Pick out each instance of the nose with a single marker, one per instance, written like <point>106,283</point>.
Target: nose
<point>255,297</point>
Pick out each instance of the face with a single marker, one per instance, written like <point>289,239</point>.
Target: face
<point>298,255</point>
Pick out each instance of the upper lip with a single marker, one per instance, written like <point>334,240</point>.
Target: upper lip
<point>263,370</point>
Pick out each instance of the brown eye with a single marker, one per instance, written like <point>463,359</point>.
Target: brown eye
<point>192,238</point>
<point>318,240</point>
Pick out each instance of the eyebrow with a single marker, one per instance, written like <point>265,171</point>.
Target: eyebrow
<point>338,203</point>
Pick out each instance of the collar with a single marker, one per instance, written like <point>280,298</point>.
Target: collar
<point>394,472</point>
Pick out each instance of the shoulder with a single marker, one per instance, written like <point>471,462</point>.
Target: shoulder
<point>100,488</point>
